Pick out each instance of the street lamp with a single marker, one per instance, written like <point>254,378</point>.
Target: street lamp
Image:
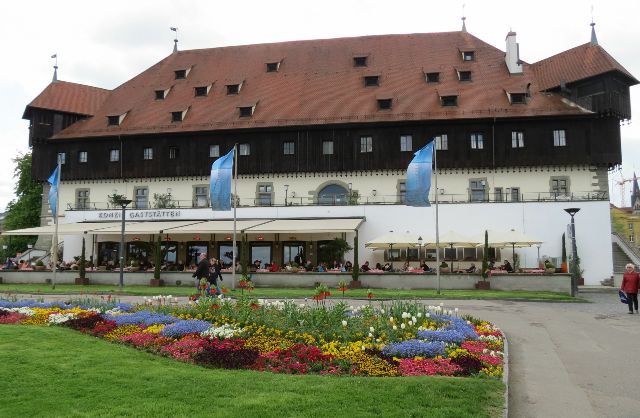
<point>350,188</point>
<point>574,250</point>
<point>122,202</point>
<point>419,248</point>
<point>286,194</point>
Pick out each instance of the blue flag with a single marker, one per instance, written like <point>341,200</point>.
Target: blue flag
<point>221,182</point>
<point>419,177</point>
<point>54,181</point>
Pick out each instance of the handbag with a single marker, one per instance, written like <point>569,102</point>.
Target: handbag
<point>623,297</point>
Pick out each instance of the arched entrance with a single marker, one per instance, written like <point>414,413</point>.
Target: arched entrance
<point>333,194</point>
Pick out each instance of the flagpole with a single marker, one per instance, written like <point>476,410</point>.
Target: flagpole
<point>55,221</point>
<point>235,198</point>
<point>435,170</point>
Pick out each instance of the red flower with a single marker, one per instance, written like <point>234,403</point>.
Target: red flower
<point>370,295</point>
<point>215,306</point>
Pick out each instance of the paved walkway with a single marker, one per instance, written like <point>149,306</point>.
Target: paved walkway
<point>566,359</point>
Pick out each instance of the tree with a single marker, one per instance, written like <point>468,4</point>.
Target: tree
<point>24,210</point>
<point>157,258</point>
<point>485,256</point>
<point>356,265</point>
<point>82,264</point>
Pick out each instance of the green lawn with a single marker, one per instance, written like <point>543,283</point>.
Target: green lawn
<point>294,292</point>
<point>54,371</point>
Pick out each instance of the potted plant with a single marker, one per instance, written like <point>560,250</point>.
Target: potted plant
<point>444,267</point>
<point>484,284</point>
<point>564,255</point>
<point>157,261</point>
<point>549,267</point>
<point>82,270</point>
<point>39,265</point>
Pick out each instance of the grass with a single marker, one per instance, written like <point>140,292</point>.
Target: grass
<point>294,293</point>
<point>53,371</point>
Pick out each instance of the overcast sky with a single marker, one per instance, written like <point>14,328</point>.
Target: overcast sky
<point>104,44</point>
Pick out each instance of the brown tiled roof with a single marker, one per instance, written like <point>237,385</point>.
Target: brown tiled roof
<point>70,98</point>
<point>578,63</point>
<point>318,84</point>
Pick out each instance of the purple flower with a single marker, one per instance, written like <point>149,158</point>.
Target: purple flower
<point>444,335</point>
<point>414,348</point>
<point>189,326</point>
<point>145,318</point>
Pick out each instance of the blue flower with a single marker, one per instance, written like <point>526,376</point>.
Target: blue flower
<point>145,318</point>
<point>444,335</point>
<point>414,348</point>
<point>188,326</point>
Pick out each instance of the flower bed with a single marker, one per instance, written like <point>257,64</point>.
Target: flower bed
<point>400,339</point>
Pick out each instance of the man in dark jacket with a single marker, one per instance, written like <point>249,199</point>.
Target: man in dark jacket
<point>202,272</point>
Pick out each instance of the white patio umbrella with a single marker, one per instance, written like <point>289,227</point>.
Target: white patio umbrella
<point>393,239</point>
<point>452,240</point>
<point>510,238</point>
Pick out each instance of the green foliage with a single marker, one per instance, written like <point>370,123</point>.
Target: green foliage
<point>354,197</point>
<point>40,263</point>
<point>485,256</point>
<point>564,249</point>
<point>335,249</point>
<point>114,199</point>
<point>163,201</point>
<point>82,265</point>
<point>157,258</point>
<point>356,263</point>
<point>24,210</point>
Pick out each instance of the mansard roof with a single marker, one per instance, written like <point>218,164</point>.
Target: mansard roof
<point>317,82</point>
<point>68,97</point>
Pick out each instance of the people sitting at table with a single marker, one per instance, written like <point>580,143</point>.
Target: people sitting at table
<point>274,267</point>
<point>507,266</point>
<point>348,266</point>
<point>321,267</point>
<point>308,266</point>
<point>256,264</point>
<point>471,269</point>
<point>492,264</point>
<point>365,266</point>
<point>548,265</point>
<point>180,265</point>
<point>406,266</point>
<point>386,267</point>
<point>424,266</point>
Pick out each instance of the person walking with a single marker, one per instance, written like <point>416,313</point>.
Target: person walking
<point>214,274</point>
<point>630,284</point>
<point>202,272</point>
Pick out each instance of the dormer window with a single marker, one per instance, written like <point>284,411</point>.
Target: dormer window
<point>178,116</point>
<point>468,55</point>
<point>433,77</point>
<point>371,80</point>
<point>233,89</point>
<point>115,120</point>
<point>182,74</point>
<point>162,94</point>
<point>385,103</point>
<point>464,75</point>
<point>517,98</point>
<point>449,100</point>
<point>360,61</point>
<point>247,111</point>
<point>202,91</point>
<point>273,67</point>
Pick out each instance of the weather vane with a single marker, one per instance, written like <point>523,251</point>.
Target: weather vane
<point>175,41</point>
<point>55,67</point>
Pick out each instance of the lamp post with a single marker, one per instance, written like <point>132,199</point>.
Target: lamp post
<point>574,250</point>
<point>286,194</point>
<point>419,247</point>
<point>538,247</point>
<point>4,252</point>
<point>123,204</point>
<point>350,188</point>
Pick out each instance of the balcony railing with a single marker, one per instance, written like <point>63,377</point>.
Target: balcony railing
<point>345,200</point>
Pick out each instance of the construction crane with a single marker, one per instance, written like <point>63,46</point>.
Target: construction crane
<point>622,183</point>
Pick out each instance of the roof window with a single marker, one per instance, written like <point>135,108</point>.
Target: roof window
<point>371,80</point>
<point>517,98</point>
<point>162,94</point>
<point>433,77</point>
<point>179,115</point>
<point>233,89</point>
<point>360,61</point>
<point>385,104</point>
<point>247,111</point>
<point>464,75</point>
<point>273,67</point>
<point>115,120</point>
<point>468,55</point>
<point>182,73</point>
<point>449,100</point>
<point>202,91</point>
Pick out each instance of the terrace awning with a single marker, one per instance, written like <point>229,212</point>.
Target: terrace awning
<point>66,229</point>
<point>313,226</point>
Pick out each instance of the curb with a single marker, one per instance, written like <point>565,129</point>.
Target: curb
<point>505,374</point>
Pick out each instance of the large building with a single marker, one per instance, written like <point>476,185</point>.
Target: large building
<point>325,131</point>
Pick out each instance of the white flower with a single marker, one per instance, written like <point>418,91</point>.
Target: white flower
<point>419,315</point>
<point>456,310</point>
<point>406,315</point>
<point>427,315</point>
<point>382,311</point>
<point>410,323</point>
<point>371,329</point>
<point>302,305</point>
<point>441,304</point>
<point>344,323</point>
<point>402,326</point>
<point>485,351</point>
<point>413,318</point>
<point>364,348</point>
<point>390,319</point>
<point>395,328</point>
<point>370,335</point>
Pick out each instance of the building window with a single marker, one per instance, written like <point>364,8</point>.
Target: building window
<point>273,67</point>
<point>518,98</point>
<point>245,149</point>
<point>464,75</point>
<point>366,144</point>
<point>82,199</point>
<point>147,154</point>
<point>559,138</point>
<point>631,226</point>
<point>517,139</point>
<point>289,148</point>
<point>333,194</point>
<point>233,89</point>
<point>201,91</point>
<point>113,120</point>
<point>360,61</point>
<point>515,194</point>
<point>468,55</point>
<point>631,238</point>
<point>62,158</point>
<point>246,111</point>
<point>442,143</point>
<point>214,151</point>
<point>406,143</point>
<point>477,141</point>
<point>327,147</point>
<point>180,74</point>
<point>142,198</point>
<point>176,116</point>
<point>402,192</point>
<point>82,157</point>
<point>114,155</point>
<point>477,188</point>
<point>559,186</point>
<point>497,194</point>
<point>371,81</point>
<point>449,100</point>
<point>173,153</point>
<point>200,196</point>
<point>385,104</point>
<point>433,77</point>
<point>161,94</point>
<point>265,195</point>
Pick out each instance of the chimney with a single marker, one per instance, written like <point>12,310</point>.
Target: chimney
<point>512,57</point>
